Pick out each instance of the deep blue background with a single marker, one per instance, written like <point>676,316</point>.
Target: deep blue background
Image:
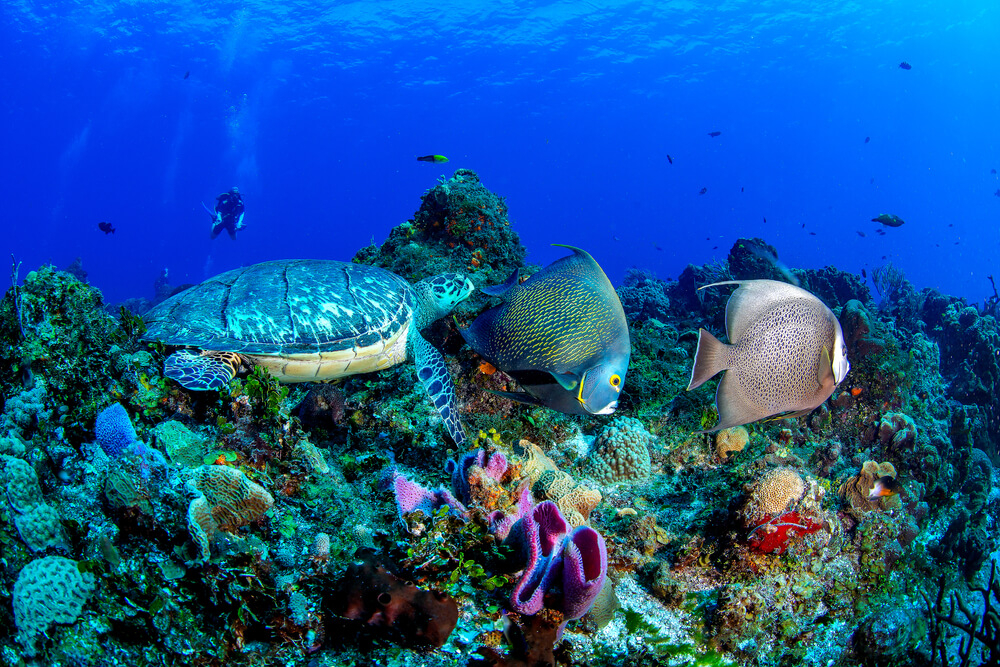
<point>568,109</point>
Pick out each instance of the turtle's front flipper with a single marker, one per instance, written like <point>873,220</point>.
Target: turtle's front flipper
<point>437,383</point>
<point>200,372</point>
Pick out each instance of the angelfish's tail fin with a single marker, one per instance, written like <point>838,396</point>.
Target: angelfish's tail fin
<point>711,357</point>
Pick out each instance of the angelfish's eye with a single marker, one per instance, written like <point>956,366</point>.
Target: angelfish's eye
<point>615,381</point>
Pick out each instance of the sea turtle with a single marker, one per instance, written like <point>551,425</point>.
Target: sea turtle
<point>309,320</point>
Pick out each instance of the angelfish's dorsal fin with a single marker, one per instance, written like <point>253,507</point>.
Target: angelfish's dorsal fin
<point>824,374</point>
<point>506,286</point>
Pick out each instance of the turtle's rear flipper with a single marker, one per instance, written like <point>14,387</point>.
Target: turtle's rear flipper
<point>437,383</point>
<point>201,372</point>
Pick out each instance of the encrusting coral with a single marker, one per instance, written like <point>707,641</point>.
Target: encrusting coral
<point>731,440</point>
<point>856,489</point>
<point>227,500</point>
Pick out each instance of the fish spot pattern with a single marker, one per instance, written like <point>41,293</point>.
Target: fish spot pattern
<point>776,362</point>
<point>563,319</point>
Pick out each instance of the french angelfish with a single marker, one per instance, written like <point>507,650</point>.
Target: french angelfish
<point>561,334</point>
<point>786,353</point>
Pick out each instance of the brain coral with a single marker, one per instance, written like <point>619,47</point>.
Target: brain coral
<point>730,440</point>
<point>48,590</point>
<point>773,493</point>
<point>619,454</point>
<point>228,499</point>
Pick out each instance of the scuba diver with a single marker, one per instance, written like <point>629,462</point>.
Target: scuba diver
<point>228,214</point>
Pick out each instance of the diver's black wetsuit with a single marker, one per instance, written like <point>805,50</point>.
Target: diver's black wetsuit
<point>228,213</point>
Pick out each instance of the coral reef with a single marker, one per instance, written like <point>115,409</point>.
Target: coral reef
<point>225,527</point>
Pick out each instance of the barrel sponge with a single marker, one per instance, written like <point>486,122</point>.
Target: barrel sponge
<point>619,454</point>
<point>49,590</point>
<point>731,440</point>
<point>774,492</point>
<point>114,430</point>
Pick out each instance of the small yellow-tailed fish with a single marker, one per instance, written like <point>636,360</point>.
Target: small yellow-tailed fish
<point>436,159</point>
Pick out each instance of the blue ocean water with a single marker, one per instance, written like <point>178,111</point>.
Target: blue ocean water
<point>136,112</point>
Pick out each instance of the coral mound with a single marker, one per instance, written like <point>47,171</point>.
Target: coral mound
<point>730,440</point>
<point>856,489</point>
<point>773,493</point>
<point>619,454</point>
<point>48,590</point>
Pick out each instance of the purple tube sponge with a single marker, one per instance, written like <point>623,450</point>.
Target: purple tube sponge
<point>494,465</point>
<point>411,496</point>
<point>114,430</point>
<point>561,570</point>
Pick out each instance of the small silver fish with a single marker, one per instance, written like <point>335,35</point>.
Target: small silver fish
<point>786,353</point>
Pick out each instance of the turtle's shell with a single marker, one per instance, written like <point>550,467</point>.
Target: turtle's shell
<point>308,310</point>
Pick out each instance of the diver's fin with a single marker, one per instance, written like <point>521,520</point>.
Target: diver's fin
<point>710,358</point>
<point>433,374</point>
<point>518,396</point>
<point>824,373</point>
<point>500,290</point>
<point>202,372</point>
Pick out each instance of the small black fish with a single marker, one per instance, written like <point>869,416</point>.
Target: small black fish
<point>957,242</point>
<point>997,193</point>
<point>616,238</point>
<point>741,189</point>
<point>867,139</point>
<point>993,171</point>
<point>765,219</point>
<point>187,74</point>
<point>905,65</point>
<point>106,227</point>
<point>803,225</point>
<point>703,191</point>
<point>670,159</point>
<point>864,274</point>
<point>883,256</point>
<point>658,247</point>
<point>715,247</point>
<point>714,134</point>
<point>951,224</point>
<point>861,234</point>
<point>812,233</point>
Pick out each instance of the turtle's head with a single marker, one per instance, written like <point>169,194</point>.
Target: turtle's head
<point>438,295</point>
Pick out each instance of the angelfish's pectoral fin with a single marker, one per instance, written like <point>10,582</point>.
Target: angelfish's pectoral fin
<point>433,375</point>
<point>202,372</point>
<point>567,381</point>
<point>824,374</point>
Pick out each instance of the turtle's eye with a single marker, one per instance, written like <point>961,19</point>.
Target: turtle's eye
<point>615,381</point>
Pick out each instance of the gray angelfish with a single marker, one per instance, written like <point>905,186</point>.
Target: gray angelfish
<point>786,353</point>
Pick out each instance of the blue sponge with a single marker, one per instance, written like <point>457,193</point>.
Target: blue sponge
<point>114,430</point>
